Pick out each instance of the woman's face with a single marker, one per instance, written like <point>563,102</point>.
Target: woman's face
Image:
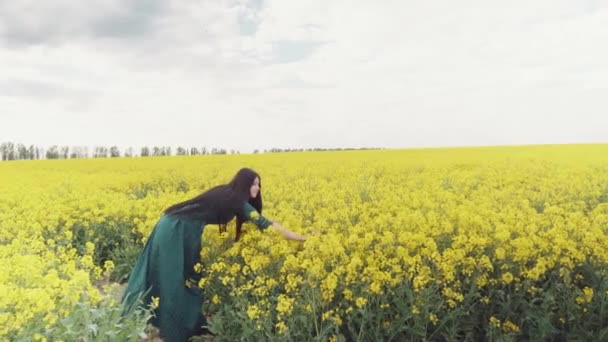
<point>255,188</point>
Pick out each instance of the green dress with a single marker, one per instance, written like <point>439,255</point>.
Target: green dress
<point>165,270</point>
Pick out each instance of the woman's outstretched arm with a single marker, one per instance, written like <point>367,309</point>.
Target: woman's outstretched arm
<point>254,216</point>
<point>287,233</point>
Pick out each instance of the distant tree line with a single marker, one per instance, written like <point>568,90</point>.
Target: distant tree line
<point>12,151</point>
<point>316,149</point>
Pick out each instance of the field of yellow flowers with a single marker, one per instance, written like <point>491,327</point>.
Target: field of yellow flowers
<point>496,243</point>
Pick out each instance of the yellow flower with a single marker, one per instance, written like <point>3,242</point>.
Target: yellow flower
<point>90,247</point>
<point>495,322</point>
<point>510,327</point>
<point>327,315</point>
<point>588,292</point>
<point>375,288</point>
<point>39,337</point>
<point>281,328</point>
<point>155,302</point>
<point>348,294</point>
<point>500,253</point>
<point>328,286</point>
<point>108,266</point>
<point>253,312</point>
<point>587,296</point>
<point>284,304</point>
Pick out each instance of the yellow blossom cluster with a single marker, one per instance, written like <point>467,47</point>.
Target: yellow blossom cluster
<point>61,220</point>
<point>374,221</point>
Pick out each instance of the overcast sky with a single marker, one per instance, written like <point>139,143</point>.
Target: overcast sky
<point>249,74</point>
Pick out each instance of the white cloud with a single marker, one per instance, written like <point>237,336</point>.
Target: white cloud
<point>304,74</point>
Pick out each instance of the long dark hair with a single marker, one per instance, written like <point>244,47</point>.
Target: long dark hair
<point>225,200</point>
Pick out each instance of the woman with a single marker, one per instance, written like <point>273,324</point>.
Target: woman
<point>165,268</point>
